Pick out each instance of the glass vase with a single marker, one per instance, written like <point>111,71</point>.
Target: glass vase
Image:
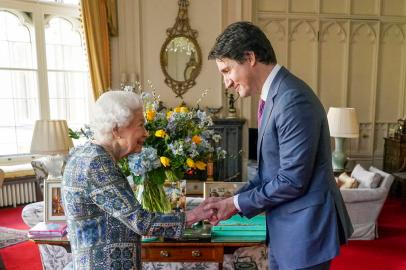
<point>152,197</point>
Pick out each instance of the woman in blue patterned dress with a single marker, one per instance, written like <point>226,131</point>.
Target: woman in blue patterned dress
<point>105,221</point>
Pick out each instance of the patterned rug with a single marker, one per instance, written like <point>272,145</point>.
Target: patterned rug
<point>10,237</point>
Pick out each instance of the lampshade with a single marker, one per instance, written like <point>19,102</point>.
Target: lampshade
<point>50,137</point>
<point>343,122</point>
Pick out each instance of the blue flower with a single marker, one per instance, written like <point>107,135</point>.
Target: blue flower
<point>143,162</point>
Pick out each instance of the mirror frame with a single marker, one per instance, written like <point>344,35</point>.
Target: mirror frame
<point>181,28</point>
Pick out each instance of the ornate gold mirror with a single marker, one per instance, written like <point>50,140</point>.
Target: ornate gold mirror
<point>181,57</point>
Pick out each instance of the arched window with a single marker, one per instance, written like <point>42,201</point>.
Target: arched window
<point>18,79</point>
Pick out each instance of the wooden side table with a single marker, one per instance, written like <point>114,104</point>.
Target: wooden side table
<point>160,251</point>
<point>401,178</point>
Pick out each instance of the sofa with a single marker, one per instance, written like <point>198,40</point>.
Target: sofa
<point>365,204</point>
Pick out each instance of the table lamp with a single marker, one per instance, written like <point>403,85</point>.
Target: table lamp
<point>342,123</point>
<point>50,137</point>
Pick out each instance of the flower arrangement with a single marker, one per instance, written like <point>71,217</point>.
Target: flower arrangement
<point>180,141</point>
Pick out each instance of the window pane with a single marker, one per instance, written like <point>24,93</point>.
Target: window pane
<point>16,48</point>
<point>7,114</point>
<point>8,142</point>
<point>23,136</point>
<point>58,108</point>
<point>18,110</point>
<point>64,46</point>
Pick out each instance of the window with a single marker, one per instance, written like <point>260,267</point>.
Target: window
<point>67,72</point>
<point>43,69</point>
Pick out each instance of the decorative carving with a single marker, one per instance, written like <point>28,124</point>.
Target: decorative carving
<point>370,32</point>
<point>275,29</point>
<point>308,29</point>
<point>333,26</point>
<point>392,32</point>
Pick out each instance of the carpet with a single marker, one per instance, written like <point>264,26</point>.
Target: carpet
<point>9,237</point>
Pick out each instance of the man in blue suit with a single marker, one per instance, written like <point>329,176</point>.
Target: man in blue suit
<point>305,214</point>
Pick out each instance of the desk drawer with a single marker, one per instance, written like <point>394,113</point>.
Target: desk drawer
<point>182,254</point>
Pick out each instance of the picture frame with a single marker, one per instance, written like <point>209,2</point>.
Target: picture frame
<point>221,189</point>
<point>53,208</point>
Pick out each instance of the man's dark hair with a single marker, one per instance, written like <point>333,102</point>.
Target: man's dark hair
<point>239,38</point>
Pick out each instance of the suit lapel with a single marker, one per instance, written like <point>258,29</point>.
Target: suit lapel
<point>283,72</point>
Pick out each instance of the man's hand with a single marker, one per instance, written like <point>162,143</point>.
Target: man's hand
<point>198,213</point>
<point>222,208</point>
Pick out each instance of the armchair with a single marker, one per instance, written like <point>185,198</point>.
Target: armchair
<point>365,204</point>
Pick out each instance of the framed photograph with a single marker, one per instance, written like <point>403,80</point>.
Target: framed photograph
<point>53,208</point>
<point>221,189</point>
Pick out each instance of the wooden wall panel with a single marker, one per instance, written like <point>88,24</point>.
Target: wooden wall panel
<point>303,50</point>
<point>361,68</point>
<point>333,63</point>
<point>272,6</point>
<point>334,6</point>
<point>365,7</point>
<point>393,7</point>
<point>308,6</point>
<point>390,72</point>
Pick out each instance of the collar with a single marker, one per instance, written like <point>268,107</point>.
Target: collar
<point>268,81</point>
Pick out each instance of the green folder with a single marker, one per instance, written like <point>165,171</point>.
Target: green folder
<point>240,229</point>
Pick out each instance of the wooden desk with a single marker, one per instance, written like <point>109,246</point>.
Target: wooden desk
<point>172,251</point>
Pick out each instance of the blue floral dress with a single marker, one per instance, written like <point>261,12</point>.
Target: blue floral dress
<point>104,219</point>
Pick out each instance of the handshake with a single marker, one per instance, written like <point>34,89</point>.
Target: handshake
<point>213,209</point>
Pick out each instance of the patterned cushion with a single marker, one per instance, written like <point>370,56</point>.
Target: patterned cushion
<point>33,213</point>
<point>345,181</point>
<point>256,254</point>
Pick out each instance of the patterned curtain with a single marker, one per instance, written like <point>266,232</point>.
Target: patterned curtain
<point>96,26</point>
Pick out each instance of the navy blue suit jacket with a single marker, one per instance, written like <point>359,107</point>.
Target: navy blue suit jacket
<point>305,214</point>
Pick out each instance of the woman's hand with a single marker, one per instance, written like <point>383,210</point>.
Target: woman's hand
<point>199,213</point>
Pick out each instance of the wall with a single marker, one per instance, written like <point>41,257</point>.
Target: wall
<point>352,53</point>
<point>142,31</point>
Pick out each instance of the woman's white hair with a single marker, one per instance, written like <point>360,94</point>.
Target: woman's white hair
<point>113,109</point>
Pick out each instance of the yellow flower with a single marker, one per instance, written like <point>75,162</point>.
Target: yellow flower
<point>190,163</point>
<point>197,139</point>
<point>150,115</point>
<point>160,133</point>
<point>169,114</point>
<point>184,109</point>
<point>177,109</point>
<point>201,165</point>
<point>165,161</point>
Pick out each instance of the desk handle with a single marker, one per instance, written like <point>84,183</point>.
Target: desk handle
<point>164,253</point>
<point>196,253</point>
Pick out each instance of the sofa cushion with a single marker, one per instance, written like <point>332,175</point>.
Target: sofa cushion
<point>345,181</point>
<point>366,178</point>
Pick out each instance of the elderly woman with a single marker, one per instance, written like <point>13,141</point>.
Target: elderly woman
<point>105,221</point>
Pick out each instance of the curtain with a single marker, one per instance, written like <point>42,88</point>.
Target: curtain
<point>95,23</point>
